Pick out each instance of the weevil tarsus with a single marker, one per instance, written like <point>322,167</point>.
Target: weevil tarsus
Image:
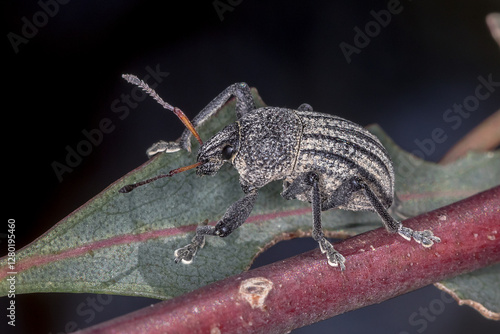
<point>235,215</point>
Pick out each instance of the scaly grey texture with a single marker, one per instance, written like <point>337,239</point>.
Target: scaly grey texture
<point>322,159</point>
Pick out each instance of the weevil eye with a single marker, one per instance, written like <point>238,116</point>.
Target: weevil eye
<point>227,152</point>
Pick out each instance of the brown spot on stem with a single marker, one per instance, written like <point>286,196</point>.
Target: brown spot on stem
<point>255,290</point>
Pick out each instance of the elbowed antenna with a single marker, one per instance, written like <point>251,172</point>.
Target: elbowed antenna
<point>144,86</point>
<point>130,187</point>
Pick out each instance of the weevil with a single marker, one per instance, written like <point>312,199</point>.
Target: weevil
<point>322,159</point>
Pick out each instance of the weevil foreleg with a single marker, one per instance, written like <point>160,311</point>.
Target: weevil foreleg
<point>244,103</point>
<point>426,237</point>
<point>235,215</point>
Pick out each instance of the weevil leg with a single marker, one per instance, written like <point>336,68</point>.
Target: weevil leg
<point>186,254</point>
<point>426,237</point>
<point>244,103</point>
<point>334,258</point>
<point>301,184</point>
<point>235,215</point>
<point>163,146</point>
<point>309,182</point>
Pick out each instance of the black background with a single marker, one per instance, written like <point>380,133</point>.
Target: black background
<point>65,77</point>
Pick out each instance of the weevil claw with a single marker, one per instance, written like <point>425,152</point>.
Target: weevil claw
<point>163,147</point>
<point>426,237</point>
<point>335,259</point>
<point>185,254</point>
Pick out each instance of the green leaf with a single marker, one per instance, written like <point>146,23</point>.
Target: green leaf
<point>478,289</point>
<point>124,243</point>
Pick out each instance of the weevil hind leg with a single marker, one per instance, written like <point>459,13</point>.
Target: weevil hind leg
<point>426,237</point>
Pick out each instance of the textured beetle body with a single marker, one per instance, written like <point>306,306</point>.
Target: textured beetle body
<point>323,159</point>
<point>270,141</point>
<point>279,143</point>
<point>339,150</point>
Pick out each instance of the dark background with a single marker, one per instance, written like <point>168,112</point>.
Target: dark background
<point>64,80</point>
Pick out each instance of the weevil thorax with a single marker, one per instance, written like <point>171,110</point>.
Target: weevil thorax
<point>269,142</point>
<point>221,148</point>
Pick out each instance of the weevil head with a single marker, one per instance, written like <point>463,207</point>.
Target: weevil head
<point>222,147</point>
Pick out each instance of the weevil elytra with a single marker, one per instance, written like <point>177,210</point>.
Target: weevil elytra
<point>326,160</point>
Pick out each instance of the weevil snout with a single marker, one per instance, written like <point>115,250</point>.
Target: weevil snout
<point>221,148</point>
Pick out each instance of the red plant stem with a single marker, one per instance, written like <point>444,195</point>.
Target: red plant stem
<point>305,289</point>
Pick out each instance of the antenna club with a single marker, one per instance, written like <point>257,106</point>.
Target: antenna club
<point>128,188</point>
<point>132,79</point>
<point>183,118</point>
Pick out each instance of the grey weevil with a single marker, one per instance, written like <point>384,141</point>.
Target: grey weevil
<point>322,159</point>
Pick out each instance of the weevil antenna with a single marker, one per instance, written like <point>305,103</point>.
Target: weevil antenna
<point>144,86</point>
<point>130,187</point>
